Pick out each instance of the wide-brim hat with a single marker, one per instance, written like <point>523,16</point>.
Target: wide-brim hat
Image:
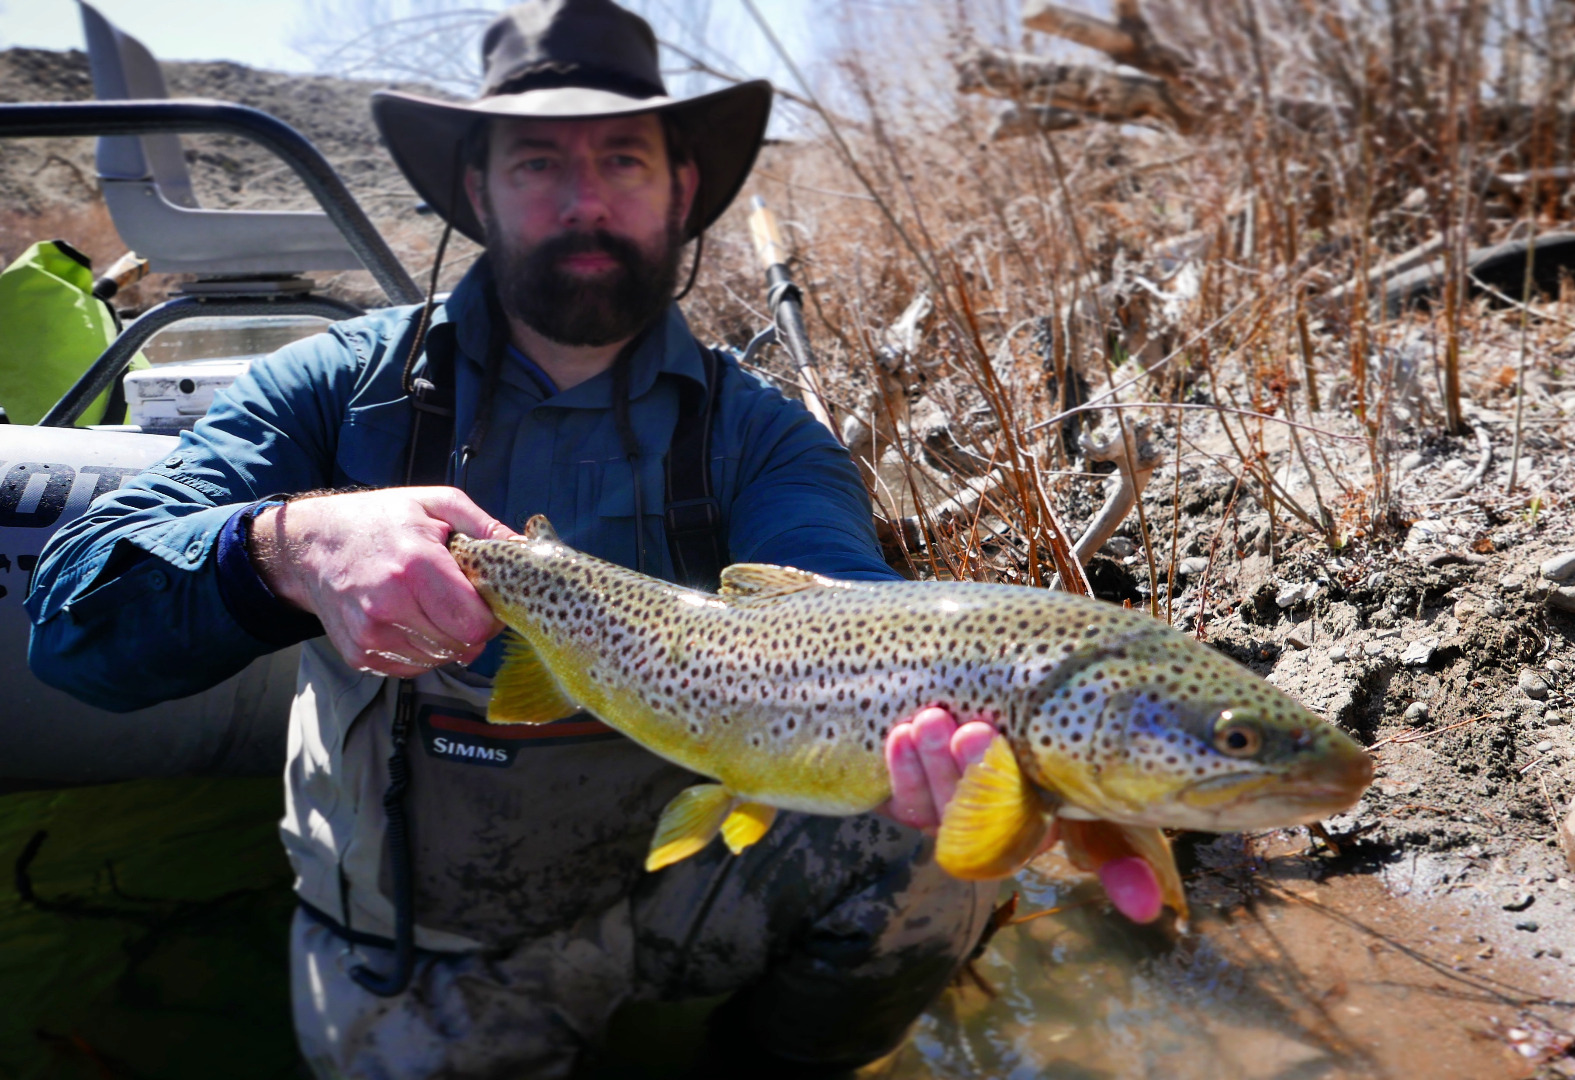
<point>572,59</point>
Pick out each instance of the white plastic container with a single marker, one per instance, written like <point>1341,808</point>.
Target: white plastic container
<point>173,397</point>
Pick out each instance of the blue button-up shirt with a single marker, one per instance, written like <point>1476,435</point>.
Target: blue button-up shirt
<point>133,605</point>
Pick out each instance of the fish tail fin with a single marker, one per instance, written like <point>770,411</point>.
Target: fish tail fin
<point>746,824</point>
<point>688,823</point>
<point>1091,844</point>
<point>524,691</point>
<point>995,823</point>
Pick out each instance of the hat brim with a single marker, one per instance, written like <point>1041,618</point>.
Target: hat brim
<point>425,137</point>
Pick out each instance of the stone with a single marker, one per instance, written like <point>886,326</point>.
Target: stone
<point>1465,608</point>
<point>1560,568</point>
<point>1411,461</point>
<point>1552,718</point>
<point>1544,746</point>
<point>1291,595</point>
<point>1556,952</point>
<point>1528,925</point>
<point>1521,902</point>
<point>1532,685</point>
<point>1374,648</point>
<point>1419,653</point>
<point>1495,607</point>
<point>1295,640</point>
<point>1416,713</point>
<point>1119,547</point>
<point>1561,599</point>
<point>1556,666</point>
<point>1338,654</point>
<point>1193,567</point>
<point>1512,582</point>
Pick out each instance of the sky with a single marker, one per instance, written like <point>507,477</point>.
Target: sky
<point>258,32</point>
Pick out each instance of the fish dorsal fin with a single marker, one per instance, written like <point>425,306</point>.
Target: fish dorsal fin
<point>1091,844</point>
<point>746,824</point>
<point>524,691</point>
<point>688,823</point>
<point>539,528</point>
<point>758,581</point>
<point>995,823</point>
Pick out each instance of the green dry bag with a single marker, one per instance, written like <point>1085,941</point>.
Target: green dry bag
<point>52,328</point>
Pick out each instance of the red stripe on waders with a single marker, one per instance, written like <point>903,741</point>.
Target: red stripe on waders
<point>558,729</point>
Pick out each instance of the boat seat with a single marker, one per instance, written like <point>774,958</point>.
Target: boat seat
<point>150,197</point>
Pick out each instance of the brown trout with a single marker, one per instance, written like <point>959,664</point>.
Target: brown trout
<point>784,686</point>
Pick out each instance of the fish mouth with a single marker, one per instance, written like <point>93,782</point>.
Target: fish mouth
<point>1276,800</point>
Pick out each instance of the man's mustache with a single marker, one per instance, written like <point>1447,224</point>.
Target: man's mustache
<point>600,242</point>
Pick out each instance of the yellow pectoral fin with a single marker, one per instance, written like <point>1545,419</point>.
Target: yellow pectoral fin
<point>746,824</point>
<point>524,691</point>
<point>688,824</point>
<point>1091,844</point>
<point>996,821</point>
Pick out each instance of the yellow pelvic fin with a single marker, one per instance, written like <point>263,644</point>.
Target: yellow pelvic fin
<point>757,581</point>
<point>688,823</point>
<point>996,821</point>
<point>746,824</point>
<point>539,528</point>
<point>524,691</point>
<point>1091,844</point>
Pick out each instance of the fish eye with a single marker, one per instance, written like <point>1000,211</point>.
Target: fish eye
<point>1238,738</point>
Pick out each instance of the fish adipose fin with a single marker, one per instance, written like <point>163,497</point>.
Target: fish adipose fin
<point>996,821</point>
<point>757,581</point>
<point>1091,844</point>
<point>539,528</point>
<point>688,823</point>
<point>746,824</point>
<point>524,691</point>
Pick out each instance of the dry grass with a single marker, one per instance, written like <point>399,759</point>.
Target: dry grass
<point>1162,269</point>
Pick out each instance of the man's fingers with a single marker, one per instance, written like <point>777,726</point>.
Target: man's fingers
<point>1132,887</point>
<point>970,742</point>
<point>932,733</point>
<point>456,509</point>
<point>450,604</point>
<point>910,789</point>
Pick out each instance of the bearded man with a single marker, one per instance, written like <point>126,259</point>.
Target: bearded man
<point>472,899</point>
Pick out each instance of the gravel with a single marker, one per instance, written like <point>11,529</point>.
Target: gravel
<point>1532,685</point>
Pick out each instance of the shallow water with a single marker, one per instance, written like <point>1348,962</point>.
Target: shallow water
<point>1295,969</point>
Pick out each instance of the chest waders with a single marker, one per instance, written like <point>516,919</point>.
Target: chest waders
<point>692,519</point>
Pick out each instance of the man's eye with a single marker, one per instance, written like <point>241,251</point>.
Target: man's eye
<point>536,164</point>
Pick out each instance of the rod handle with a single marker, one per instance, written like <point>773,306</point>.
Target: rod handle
<point>767,234</point>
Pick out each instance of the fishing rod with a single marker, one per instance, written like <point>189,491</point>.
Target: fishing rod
<point>787,310</point>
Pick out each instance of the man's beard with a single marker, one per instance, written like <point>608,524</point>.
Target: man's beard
<point>600,309</point>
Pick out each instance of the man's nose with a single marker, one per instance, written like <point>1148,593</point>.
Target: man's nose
<point>584,197</point>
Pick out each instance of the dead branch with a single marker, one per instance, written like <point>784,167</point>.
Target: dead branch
<point>1130,482</point>
<point>1018,120</point>
<point>1106,95</point>
<point>1127,41</point>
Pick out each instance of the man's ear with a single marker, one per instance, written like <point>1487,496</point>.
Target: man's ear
<point>688,184</point>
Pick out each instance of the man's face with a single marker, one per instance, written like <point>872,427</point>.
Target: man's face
<point>584,224</point>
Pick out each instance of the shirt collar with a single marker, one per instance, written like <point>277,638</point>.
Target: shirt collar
<point>669,348</point>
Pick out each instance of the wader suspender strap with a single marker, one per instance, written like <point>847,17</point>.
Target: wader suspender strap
<point>693,515</point>
<point>426,464</point>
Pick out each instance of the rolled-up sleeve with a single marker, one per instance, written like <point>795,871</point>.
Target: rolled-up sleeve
<point>127,604</point>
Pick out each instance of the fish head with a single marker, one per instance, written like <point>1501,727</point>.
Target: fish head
<point>1156,729</point>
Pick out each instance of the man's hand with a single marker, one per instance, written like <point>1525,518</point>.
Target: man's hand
<point>927,755</point>
<point>373,566</point>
